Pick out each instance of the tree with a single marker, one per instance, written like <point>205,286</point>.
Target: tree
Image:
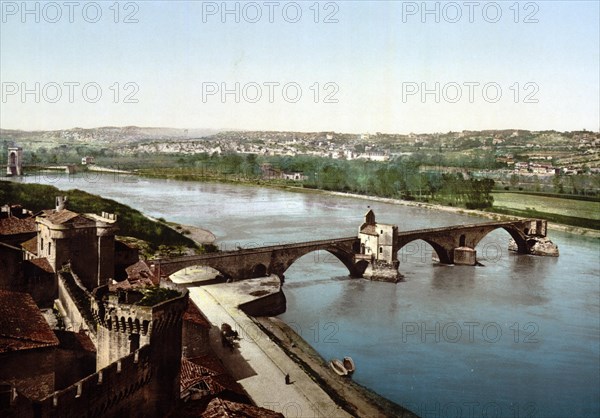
<point>557,184</point>
<point>536,183</point>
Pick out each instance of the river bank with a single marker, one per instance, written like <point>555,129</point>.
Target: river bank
<point>200,236</point>
<point>588,232</point>
<point>352,397</point>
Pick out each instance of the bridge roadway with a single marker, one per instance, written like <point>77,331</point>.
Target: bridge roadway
<point>276,259</point>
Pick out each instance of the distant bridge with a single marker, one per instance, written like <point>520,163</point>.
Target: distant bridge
<point>449,243</point>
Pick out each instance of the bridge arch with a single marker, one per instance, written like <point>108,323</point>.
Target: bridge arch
<point>346,257</point>
<point>519,236</point>
<point>441,251</point>
<point>259,270</point>
<point>204,272</point>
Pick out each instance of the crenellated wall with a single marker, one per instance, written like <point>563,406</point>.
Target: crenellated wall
<point>120,389</point>
<point>124,325</point>
<point>76,302</point>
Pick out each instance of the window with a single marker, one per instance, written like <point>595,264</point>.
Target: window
<point>49,248</point>
<point>380,250</point>
<point>41,244</point>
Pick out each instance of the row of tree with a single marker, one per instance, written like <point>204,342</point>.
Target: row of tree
<point>403,178</point>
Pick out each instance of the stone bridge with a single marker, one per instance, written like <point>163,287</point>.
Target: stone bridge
<point>364,255</point>
<point>262,261</point>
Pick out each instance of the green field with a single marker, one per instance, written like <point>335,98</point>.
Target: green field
<point>555,205</point>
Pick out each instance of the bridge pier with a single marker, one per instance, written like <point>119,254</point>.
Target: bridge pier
<point>464,256</point>
<point>382,271</point>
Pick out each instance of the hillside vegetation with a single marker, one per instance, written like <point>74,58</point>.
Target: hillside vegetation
<point>132,222</point>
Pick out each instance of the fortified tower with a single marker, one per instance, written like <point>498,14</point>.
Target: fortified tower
<point>15,161</point>
<point>87,242</point>
<point>128,320</point>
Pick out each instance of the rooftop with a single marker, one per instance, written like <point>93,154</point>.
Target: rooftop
<point>221,408</point>
<point>13,226</point>
<point>208,370</point>
<point>64,216</point>
<point>30,245</point>
<point>43,264</point>
<point>22,326</point>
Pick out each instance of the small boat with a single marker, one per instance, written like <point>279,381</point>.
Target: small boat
<point>338,367</point>
<point>349,365</point>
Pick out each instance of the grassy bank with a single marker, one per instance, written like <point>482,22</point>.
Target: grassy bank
<point>551,217</point>
<point>573,212</point>
<point>132,222</point>
<point>567,207</point>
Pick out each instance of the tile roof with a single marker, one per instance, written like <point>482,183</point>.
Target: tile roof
<point>219,408</point>
<point>22,325</point>
<point>77,341</point>
<point>194,315</point>
<point>190,374</point>
<point>42,263</point>
<point>66,216</point>
<point>14,226</point>
<point>30,245</point>
<point>210,362</point>
<point>210,371</point>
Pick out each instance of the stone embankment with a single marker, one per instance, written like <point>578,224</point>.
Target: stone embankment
<point>257,363</point>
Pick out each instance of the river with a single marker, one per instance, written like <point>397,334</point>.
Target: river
<point>516,337</point>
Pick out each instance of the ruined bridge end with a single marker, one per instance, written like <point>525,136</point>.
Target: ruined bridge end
<point>456,244</point>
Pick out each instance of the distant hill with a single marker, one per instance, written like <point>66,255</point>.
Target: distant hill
<point>105,135</point>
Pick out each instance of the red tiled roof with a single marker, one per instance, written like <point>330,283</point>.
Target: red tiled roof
<point>190,374</point>
<point>222,382</point>
<point>209,362</point>
<point>22,326</point>
<point>208,369</point>
<point>30,245</point>
<point>42,263</point>
<point>219,408</point>
<point>194,315</point>
<point>14,226</point>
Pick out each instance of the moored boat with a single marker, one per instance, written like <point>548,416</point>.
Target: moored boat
<point>349,365</point>
<point>338,367</point>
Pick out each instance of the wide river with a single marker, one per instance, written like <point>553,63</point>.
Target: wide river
<point>517,337</point>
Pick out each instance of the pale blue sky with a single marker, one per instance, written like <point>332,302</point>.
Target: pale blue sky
<point>374,53</point>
